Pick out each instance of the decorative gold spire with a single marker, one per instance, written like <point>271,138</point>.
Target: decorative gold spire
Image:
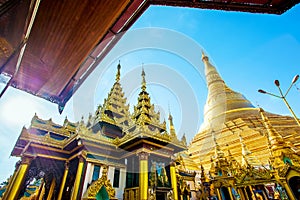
<point>143,80</point>
<point>172,129</point>
<point>114,109</point>
<point>202,174</point>
<point>275,139</point>
<point>245,150</point>
<point>142,110</point>
<point>281,152</point>
<point>219,166</point>
<point>218,152</point>
<point>221,98</point>
<point>232,161</point>
<point>118,72</point>
<point>183,139</point>
<point>204,57</point>
<point>247,159</point>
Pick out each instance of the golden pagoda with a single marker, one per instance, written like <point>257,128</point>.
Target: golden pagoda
<point>250,169</point>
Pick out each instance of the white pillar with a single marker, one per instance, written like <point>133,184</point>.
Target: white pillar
<point>100,172</point>
<point>122,183</point>
<point>110,174</point>
<point>88,176</point>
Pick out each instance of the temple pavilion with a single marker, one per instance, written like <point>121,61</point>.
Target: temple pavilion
<point>114,154</point>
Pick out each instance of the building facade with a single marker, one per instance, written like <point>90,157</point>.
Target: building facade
<point>112,155</point>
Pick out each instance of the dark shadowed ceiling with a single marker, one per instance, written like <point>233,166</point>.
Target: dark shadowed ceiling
<point>68,38</point>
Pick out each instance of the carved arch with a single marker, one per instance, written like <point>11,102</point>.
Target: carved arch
<point>95,187</point>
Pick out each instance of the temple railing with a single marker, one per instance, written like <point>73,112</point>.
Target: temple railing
<point>131,193</point>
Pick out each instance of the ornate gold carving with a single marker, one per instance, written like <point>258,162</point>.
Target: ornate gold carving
<point>44,139</point>
<point>26,160</point>
<point>49,126</point>
<point>98,184</point>
<point>131,193</point>
<point>143,155</point>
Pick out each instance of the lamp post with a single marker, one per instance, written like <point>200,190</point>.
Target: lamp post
<point>282,96</point>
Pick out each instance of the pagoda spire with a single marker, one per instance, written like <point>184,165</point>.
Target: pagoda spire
<point>218,152</point>
<point>281,152</point>
<point>220,98</point>
<point>219,166</point>
<point>232,161</point>
<point>115,110</point>
<point>143,87</point>
<point>172,129</point>
<point>118,75</point>
<point>142,110</point>
<point>203,177</point>
<point>275,139</point>
<point>245,152</point>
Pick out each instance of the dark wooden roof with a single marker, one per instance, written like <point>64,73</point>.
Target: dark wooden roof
<point>70,37</point>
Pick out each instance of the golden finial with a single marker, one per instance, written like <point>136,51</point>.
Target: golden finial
<point>170,118</point>
<point>273,136</point>
<point>204,57</point>
<point>118,73</point>
<point>217,147</point>
<point>143,79</point>
<point>183,139</point>
<point>66,120</point>
<point>245,150</point>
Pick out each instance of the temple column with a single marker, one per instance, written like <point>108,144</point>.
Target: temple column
<point>288,190</point>
<point>143,179</point>
<point>241,193</point>
<point>245,192</point>
<point>230,193</point>
<point>252,192</point>
<point>51,190</point>
<point>264,194</point>
<point>173,180</point>
<point>63,181</point>
<point>218,193</point>
<point>78,178</point>
<point>41,188</point>
<point>41,197</point>
<point>18,179</point>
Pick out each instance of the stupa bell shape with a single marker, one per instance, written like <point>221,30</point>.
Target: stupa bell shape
<point>222,102</point>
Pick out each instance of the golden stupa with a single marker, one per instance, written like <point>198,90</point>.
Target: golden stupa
<point>244,150</point>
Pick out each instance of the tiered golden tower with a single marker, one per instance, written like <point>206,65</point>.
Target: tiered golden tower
<point>233,124</point>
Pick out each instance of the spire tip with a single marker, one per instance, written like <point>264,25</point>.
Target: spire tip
<point>118,72</point>
<point>204,57</point>
<point>143,79</point>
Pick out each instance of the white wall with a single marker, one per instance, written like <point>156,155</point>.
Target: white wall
<point>88,176</point>
<point>110,176</point>
<point>122,183</point>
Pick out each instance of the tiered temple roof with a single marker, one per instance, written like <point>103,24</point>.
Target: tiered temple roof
<point>111,126</point>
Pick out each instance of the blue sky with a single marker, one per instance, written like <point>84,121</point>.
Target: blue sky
<point>249,50</point>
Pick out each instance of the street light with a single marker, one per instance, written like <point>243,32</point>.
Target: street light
<point>276,82</point>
